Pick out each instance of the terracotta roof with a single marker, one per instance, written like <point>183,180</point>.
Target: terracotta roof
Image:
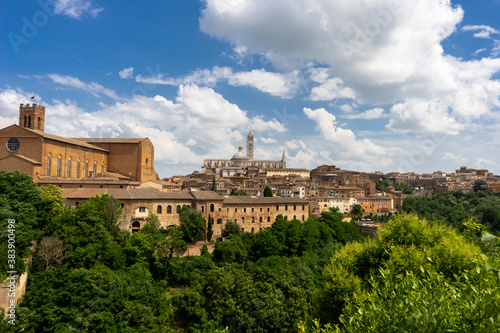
<point>286,169</point>
<point>111,140</point>
<point>63,139</point>
<point>243,199</point>
<point>206,195</point>
<point>130,193</point>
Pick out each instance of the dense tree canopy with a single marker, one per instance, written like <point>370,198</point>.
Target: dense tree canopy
<point>416,276</point>
<point>193,225</point>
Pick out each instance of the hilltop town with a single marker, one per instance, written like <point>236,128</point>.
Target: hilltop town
<point>124,169</point>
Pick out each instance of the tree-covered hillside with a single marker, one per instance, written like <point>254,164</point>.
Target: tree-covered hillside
<point>314,276</point>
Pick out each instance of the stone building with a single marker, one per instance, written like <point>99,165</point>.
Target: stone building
<point>241,162</point>
<point>27,148</point>
<point>252,213</point>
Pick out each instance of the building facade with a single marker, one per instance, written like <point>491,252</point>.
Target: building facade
<point>241,162</point>
<point>27,148</point>
<point>252,213</point>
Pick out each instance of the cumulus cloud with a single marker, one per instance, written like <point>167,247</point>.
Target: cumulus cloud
<point>200,123</point>
<point>275,84</point>
<point>347,145</point>
<point>126,73</point>
<point>9,104</point>
<point>376,52</point>
<point>375,113</point>
<point>331,89</point>
<point>77,8</point>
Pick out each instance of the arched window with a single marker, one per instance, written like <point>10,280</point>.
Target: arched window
<point>48,166</point>
<point>260,219</point>
<point>78,169</point>
<point>169,209</point>
<point>69,168</point>
<point>212,208</point>
<point>219,221</point>
<point>242,220</point>
<point>269,219</point>
<point>202,209</point>
<point>59,167</point>
<point>178,209</point>
<point>303,218</point>
<point>158,209</point>
<point>252,231</point>
<point>39,123</point>
<point>253,220</point>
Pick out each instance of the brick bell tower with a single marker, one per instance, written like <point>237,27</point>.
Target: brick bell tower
<point>32,117</point>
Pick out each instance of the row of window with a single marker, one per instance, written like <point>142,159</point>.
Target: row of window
<point>159,209</point>
<point>68,168</point>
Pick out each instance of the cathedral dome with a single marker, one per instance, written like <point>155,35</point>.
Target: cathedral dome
<point>240,155</point>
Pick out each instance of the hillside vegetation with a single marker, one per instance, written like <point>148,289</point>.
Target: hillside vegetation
<point>314,276</point>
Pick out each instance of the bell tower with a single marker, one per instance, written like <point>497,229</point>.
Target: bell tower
<point>32,117</point>
<point>250,145</point>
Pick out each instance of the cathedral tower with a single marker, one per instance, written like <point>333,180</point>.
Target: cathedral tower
<point>250,145</point>
<point>32,117</point>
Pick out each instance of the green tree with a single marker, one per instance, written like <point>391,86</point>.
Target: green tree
<point>268,192</point>
<point>237,192</point>
<point>192,225</point>
<point>405,245</point>
<point>153,220</point>
<point>214,185</point>
<point>231,228</point>
<point>21,203</point>
<point>480,185</point>
<point>357,209</point>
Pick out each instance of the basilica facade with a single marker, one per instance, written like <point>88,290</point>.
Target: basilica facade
<point>241,162</point>
<point>29,149</point>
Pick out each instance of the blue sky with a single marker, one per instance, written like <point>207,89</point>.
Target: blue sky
<point>367,85</point>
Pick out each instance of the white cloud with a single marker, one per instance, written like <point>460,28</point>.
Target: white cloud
<point>9,104</point>
<point>272,83</point>
<point>348,108</point>
<point>347,145</point>
<point>268,140</point>
<point>495,52</point>
<point>126,73</point>
<point>457,159</point>
<point>331,89</point>
<point>199,124</point>
<point>77,8</point>
<point>375,113</point>
<point>275,84</point>
<point>74,82</point>
<point>484,30</point>
<point>378,52</point>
